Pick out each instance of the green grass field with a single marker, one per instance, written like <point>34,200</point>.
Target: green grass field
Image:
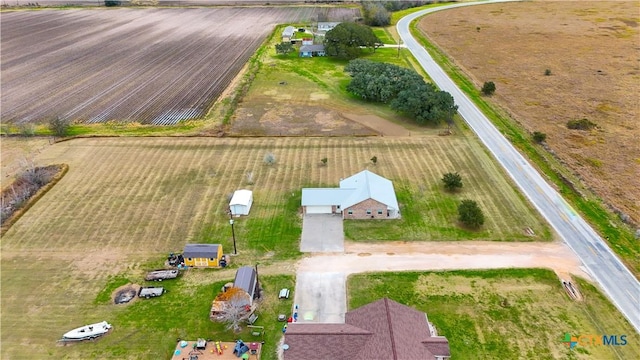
<point>127,202</point>
<point>468,308</point>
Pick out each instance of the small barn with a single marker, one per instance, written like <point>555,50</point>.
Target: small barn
<point>240,203</point>
<point>202,255</point>
<point>247,280</point>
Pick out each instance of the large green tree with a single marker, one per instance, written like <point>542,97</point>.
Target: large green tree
<point>346,39</point>
<point>402,88</point>
<point>470,214</point>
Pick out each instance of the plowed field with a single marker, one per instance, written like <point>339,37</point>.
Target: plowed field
<point>154,66</point>
<point>591,50</point>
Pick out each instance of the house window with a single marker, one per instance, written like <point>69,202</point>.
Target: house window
<point>338,207</point>
<point>189,259</point>
<point>379,212</point>
<point>368,212</point>
<point>210,259</point>
<point>350,212</point>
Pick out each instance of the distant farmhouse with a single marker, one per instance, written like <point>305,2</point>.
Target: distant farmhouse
<point>287,33</point>
<point>364,195</point>
<point>311,50</point>
<point>382,330</point>
<point>326,26</point>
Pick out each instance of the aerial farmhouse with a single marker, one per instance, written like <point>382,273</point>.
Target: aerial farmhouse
<point>364,195</point>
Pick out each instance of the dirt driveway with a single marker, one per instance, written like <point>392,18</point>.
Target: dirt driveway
<point>322,233</point>
<point>320,285</point>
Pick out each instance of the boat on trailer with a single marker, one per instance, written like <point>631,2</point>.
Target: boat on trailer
<point>87,332</point>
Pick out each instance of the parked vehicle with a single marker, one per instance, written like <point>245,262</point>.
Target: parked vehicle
<point>159,275</point>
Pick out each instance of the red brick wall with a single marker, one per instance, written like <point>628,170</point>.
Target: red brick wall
<point>360,210</point>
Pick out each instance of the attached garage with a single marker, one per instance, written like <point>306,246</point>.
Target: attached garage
<point>323,209</point>
<point>241,202</point>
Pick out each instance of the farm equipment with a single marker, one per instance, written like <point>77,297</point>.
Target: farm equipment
<point>159,275</point>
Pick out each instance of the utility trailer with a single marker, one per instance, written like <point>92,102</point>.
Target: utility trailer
<point>149,292</point>
<point>159,275</point>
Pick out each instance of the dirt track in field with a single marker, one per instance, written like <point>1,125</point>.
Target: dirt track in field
<point>154,66</point>
<point>592,51</point>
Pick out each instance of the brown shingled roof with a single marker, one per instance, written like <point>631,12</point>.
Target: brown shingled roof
<point>324,341</point>
<point>382,330</point>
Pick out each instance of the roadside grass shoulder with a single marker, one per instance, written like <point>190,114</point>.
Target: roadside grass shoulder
<point>498,314</point>
<point>617,234</point>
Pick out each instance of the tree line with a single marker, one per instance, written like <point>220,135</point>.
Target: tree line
<point>403,89</point>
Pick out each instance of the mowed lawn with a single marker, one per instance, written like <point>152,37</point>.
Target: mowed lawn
<point>503,314</point>
<point>126,203</point>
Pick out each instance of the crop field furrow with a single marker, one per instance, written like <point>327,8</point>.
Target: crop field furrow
<point>86,62</point>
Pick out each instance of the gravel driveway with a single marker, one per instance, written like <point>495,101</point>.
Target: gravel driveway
<point>322,233</point>
<point>320,283</point>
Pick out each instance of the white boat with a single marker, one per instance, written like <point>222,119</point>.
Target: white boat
<point>88,331</point>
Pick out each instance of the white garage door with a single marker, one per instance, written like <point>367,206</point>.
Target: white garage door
<point>319,209</point>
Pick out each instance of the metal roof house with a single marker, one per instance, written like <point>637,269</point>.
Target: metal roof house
<point>326,26</point>
<point>364,195</point>
<point>247,280</point>
<point>287,33</point>
<point>241,202</point>
<point>202,255</point>
<point>382,330</point>
<point>311,50</point>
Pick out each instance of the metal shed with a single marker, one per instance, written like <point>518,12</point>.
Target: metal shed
<point>241,202</point>
<point>247,280</point>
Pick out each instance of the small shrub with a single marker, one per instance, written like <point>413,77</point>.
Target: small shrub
<point>539,137</point>
<point>27,129</point>
<point>374,160</point>
<point>581,124</point>
<point>452,181</point>
<point>547,72</point>
<point>324,161</point>
<point>59,126</point>
<point>269,159</point>
<point>470,214</point>
<point>488,88</point>
<point>249,177</point>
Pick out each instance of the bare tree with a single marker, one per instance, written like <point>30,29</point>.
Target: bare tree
<point>249,177</point>
<point>237,308</point>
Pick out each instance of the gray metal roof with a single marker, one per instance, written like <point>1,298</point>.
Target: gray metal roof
<point>311,48</point>
<point>353,190</point>
<point>368,185</point>
<point>246,279</point>
<point>200,250</point>
<point>288,31</point>
<point>324,196</point>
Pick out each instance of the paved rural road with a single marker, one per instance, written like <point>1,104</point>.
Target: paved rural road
<point>604,266</point>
